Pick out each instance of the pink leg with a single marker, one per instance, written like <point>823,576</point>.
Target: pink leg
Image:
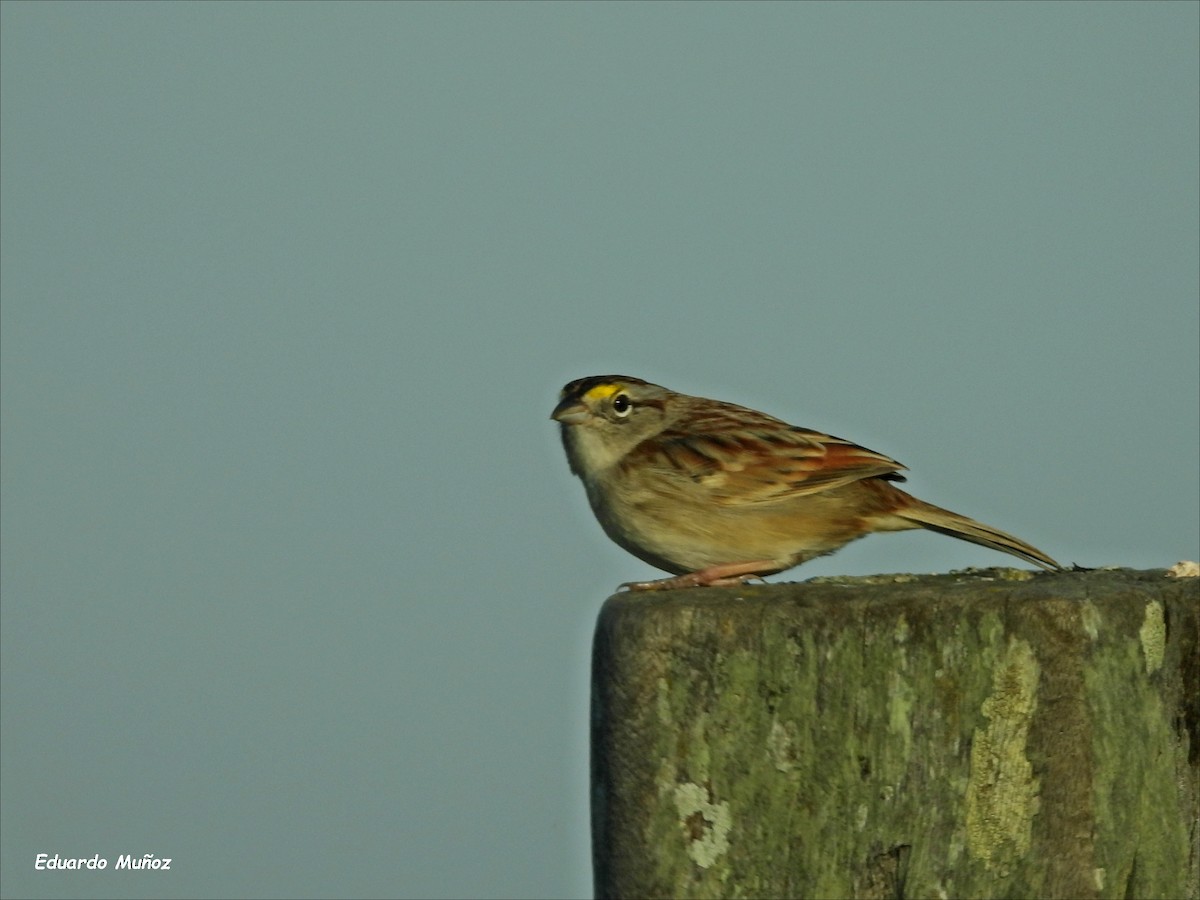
<point>723,575</point>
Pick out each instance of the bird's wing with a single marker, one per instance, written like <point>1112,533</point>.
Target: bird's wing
<point>754,458</point>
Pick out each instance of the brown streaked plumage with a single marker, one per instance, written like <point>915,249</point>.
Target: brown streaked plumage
<point>717,493</point>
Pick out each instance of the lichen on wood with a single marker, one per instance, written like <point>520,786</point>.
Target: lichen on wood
<point>1002,791</point>
<point>988,734</point>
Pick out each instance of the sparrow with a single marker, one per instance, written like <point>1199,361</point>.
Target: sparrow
<point>717,494</point>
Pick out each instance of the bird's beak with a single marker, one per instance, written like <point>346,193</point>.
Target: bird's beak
<point>569,411</point>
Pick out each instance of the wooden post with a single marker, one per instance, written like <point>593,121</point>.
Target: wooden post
<point>985,734</point>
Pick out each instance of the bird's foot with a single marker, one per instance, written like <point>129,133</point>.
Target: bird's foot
<point>724,575</point>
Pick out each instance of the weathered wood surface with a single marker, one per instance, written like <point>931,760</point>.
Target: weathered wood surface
<point>983,734</point>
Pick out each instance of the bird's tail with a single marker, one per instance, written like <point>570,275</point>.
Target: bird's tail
<point>926,515</point>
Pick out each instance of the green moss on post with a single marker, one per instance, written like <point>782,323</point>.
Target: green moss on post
<point>990,734</point>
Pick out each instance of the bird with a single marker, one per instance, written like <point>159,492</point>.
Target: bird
<point>718,494</point>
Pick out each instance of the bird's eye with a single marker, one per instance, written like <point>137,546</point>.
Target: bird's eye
<point>622,405</point>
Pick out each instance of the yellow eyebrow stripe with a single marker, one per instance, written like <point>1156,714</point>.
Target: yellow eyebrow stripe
<point>602,392</point>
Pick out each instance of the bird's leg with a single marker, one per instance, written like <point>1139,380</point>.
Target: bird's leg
<point>723,575</point>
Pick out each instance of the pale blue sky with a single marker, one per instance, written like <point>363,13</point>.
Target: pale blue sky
<point>297,588</point>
